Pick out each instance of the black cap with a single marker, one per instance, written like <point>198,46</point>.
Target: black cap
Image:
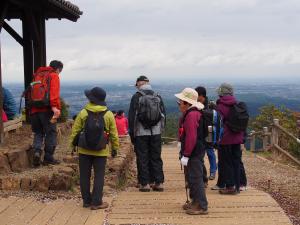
<point>141,78</point>
<point>201,91</point>
<point>96,95</point>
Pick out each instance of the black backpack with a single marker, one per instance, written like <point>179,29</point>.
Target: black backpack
<point>212,118</point>
<point>93,135</point>
<point>238,118</point>
<point>209,117</point>
<point>149,111</point>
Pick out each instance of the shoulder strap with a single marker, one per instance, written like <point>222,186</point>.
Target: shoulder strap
<point>141,92</point>
<point>187,112</point>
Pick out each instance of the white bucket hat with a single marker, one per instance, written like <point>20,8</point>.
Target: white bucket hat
<point>190,95</point>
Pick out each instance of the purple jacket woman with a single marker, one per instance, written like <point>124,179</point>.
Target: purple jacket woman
<point>223,106</point>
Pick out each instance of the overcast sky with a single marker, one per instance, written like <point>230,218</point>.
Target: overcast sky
<point>170,39</point>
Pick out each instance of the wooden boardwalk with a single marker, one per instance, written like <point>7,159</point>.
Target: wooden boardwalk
<point>251,207</point>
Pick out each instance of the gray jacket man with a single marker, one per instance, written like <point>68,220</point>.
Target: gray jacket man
<point>147,141</point>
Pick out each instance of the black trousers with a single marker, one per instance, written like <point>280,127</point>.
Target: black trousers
<point>243,177</point>
<point>149,162</point>
<point>44,131</point>
<point>232,165</point>
<point>195,180</point>
<point>205,178</point>
<point>221,169</point>
<point>86,163</point>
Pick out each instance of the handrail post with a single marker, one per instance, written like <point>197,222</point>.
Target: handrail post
<point>265,138</point>
<point>275,132</point>
<point>252,141</point>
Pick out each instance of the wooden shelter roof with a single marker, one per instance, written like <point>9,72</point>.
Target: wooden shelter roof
<point>51,9</point>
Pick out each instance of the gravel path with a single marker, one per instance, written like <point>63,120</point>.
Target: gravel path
<point>281,181</point>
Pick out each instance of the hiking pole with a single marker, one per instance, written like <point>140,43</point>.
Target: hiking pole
<point>185,184</point>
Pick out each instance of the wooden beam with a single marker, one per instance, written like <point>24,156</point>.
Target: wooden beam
<point>13,33</point>
<point>287,154</point>
<point>3,11</point>
<point>1,103</point>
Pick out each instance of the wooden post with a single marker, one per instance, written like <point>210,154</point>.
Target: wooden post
<point>1,103</point>
<point>252,141</point>
<point>265,138</point>
<point>275,132</point>
<point>28,58</point>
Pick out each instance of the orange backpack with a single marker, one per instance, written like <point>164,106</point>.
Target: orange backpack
<point>38,93</point>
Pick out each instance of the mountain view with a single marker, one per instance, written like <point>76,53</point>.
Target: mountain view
<point>119,95</point>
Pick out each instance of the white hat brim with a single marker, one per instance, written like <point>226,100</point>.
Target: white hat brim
<point>180,96</point>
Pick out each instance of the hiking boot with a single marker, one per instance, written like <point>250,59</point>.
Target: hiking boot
<point>196,209</point>
<point>86,205</point>
<point>216,188</point>
<point>37,159</point>
<point>229,191</point>
<point>158,187</point>
<point>104,205</point>
<point>212,176</point>
<point>144,188</point>
<point>187,205</point>
<point>137,185</point>
<point>51,162</point>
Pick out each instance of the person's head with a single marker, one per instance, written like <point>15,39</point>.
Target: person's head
<point>114,112</point>
<point>56,65</point>
<point>225,89</point>
<point>141,80</point>
<point>96,96</point>
<point>187,98</point>
<point>120,113</point>
<point>201,94</point>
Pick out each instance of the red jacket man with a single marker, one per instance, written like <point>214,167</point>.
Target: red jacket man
<point>43,119</point>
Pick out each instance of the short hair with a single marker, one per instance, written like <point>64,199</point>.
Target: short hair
<point>55,64</point>
<point>120,112</point>
<point>201,91</point>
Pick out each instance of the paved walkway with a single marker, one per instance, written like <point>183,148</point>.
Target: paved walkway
<point>133,207</point>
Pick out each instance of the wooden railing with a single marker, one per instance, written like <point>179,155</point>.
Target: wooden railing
<point>271,139</point>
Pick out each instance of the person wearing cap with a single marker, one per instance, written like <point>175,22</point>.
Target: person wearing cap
<point>40,117</point>
<point>192,149</point>
<point>230,153</point>
<point>202,97</point>
<point>90,158</point>
<point>147,141</point>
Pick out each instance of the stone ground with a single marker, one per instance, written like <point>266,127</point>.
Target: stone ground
<point>132,207</point>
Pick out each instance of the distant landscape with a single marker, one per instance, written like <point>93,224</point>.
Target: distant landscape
<point>118,95</point>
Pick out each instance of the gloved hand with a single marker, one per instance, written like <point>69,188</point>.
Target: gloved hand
<point>114,153</point>
<point>56,112</point>
<point>184,161</point>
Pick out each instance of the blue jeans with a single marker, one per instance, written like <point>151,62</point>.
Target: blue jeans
<point>212,160</point>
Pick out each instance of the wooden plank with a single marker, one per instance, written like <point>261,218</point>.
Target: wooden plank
<point>12,122</point>
<point>96,217</point>
<point>46,213</point>
<point>12,127</point>
<point>29,212</point>
<point>63,215</point>
<point>14,210</point>
<point>80,216</point>
<point>6,202</point>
